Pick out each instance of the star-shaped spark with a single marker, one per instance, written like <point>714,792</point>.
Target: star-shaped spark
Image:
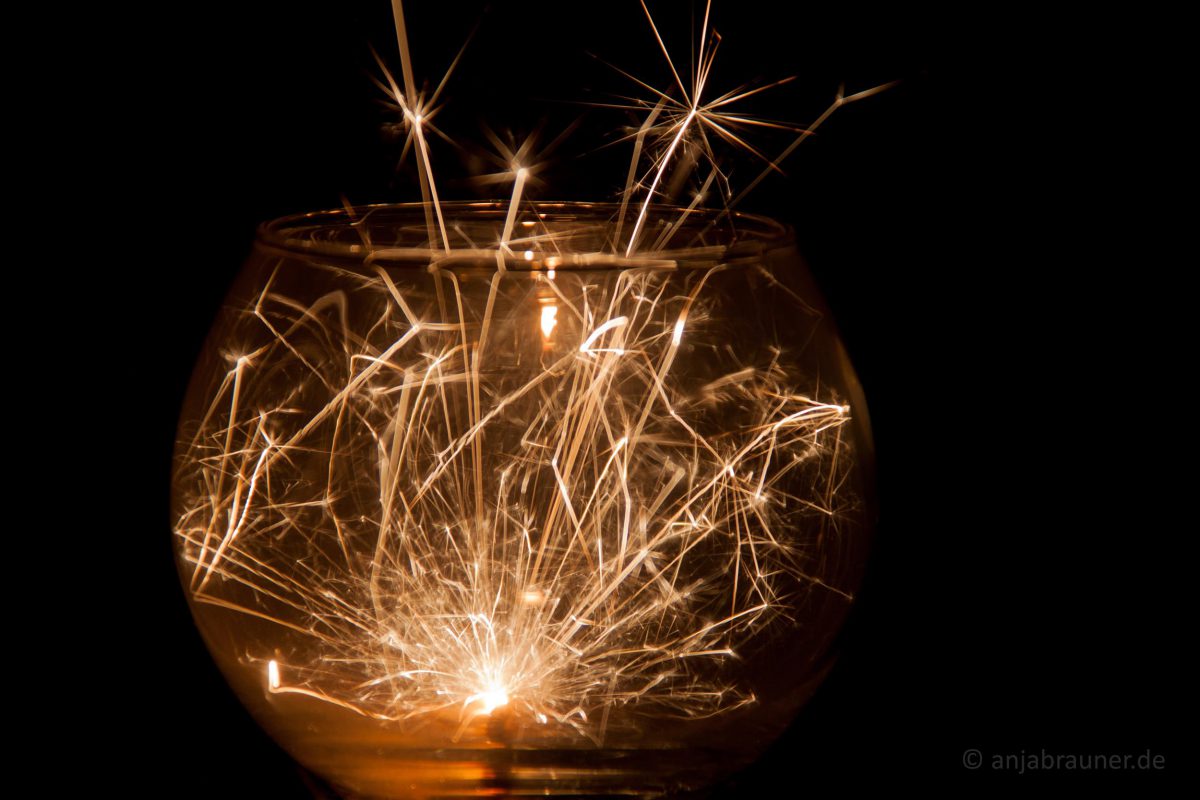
<point>682,120</point>
<point>688,121</point>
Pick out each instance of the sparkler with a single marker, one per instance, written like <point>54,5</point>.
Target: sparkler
<point>507,463</point>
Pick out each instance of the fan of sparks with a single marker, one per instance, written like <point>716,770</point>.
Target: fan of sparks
<point>453,489</point>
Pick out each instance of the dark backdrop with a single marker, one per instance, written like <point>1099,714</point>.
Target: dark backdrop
<point>1014,600</point>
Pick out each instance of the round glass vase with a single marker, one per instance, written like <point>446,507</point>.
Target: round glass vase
<point>506,509</point>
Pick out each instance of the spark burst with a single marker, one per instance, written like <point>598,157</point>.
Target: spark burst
<point>456,490</point>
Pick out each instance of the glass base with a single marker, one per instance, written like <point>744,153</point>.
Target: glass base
<point>449,774</point>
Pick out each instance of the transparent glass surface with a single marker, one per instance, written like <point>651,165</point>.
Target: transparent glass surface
<point>526,514</point>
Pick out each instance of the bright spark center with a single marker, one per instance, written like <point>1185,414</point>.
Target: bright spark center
<point>493,698</point>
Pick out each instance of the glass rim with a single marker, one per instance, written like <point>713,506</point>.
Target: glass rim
<point>575,234</point>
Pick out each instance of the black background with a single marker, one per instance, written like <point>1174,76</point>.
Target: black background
<point>1019,596</point>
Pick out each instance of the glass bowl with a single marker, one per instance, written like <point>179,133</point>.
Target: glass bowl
<point>510,511</point>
